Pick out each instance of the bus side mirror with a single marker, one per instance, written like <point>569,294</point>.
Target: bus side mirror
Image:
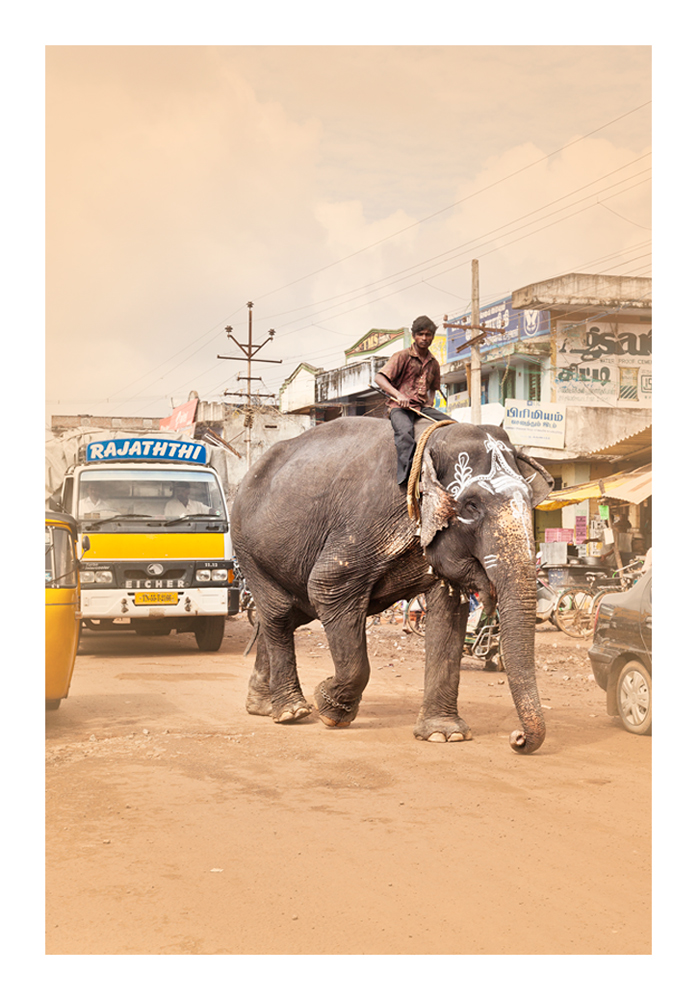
<point>85,543</point>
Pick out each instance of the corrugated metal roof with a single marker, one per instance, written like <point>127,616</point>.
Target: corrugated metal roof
<point>625,447</point>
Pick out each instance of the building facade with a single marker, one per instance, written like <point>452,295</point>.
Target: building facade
<point>568,374</point>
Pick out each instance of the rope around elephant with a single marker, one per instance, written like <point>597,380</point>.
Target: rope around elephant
<point>416,471</point>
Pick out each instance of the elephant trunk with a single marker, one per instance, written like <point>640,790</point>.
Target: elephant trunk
<point>516,599</point>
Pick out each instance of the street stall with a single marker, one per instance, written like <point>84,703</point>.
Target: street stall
<point>607,532</point>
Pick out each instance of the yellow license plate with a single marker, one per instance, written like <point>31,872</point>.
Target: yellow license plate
<point>156,597</point>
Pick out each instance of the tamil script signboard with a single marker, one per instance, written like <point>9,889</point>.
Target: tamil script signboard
<point>602,364</point>
<point>515,324</point>
<point>534,423</point>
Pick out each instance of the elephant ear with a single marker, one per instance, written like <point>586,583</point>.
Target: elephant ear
<point>438,506</point>
<point>538,478</point>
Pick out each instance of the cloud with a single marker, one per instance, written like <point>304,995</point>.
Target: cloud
<point>184,181</point>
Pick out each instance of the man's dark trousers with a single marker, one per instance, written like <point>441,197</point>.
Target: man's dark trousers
<point>403,429</point>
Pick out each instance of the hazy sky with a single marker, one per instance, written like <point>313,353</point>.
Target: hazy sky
<point>338,188</point>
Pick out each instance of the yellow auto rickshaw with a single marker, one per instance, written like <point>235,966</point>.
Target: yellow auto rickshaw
<point>62,606</point>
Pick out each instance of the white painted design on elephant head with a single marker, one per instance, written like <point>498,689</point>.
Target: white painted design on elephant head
<point>501,478</point>
<point>520,511</point>
<point>489,562</point>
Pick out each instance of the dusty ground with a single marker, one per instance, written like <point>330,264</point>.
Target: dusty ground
<point>179,825</point>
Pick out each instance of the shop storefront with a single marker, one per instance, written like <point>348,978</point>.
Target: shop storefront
<point>618,523</point>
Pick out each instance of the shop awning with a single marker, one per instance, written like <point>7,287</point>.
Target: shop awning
<point>631,487</point>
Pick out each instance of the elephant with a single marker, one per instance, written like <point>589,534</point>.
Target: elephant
<point>322,530</point>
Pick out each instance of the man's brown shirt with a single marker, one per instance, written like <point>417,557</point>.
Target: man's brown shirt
<point>417,379</point>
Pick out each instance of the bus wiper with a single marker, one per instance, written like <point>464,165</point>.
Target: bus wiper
<point>118,517</point>
<point>189,517</point>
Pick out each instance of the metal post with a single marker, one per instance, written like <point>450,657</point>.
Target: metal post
<point>475,383</point>
<point>249,351</point>
<point>248,415</point>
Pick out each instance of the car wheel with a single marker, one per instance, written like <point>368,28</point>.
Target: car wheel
<point>634,698</point>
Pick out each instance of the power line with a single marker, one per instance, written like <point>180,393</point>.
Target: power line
<point>474,194</point>
<point>474,240</point>
<point>320,356</point>
<point>460,263</point>
<point>412,225</point>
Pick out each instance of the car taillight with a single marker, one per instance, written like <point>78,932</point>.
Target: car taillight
<point>596,615</point>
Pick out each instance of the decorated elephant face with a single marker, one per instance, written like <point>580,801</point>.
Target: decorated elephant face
<point>486,477</point>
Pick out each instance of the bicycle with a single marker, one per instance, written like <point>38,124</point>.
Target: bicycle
<point>621,581</point>
<point>389,616</point>
<point>246,599</point>
<point>416,614</point>
<point>575,608</point>
<point>481,637</point>
<point>572,613</point>
<point>483,641</point>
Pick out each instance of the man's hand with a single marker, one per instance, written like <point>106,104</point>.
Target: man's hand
<point>389,389</point>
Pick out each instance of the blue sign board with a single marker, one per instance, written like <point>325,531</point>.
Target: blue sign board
<point>515,324</point>
<point>139,448</point>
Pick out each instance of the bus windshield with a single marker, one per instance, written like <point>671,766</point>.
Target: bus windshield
<point>166,494</point>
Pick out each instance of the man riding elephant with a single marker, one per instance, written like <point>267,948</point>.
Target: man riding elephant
<point>410,379</point>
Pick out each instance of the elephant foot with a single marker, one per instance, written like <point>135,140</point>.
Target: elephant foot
<point>292,711</point>
<point>258,704</point>
<point>438,729</point>
<point>334,714</point>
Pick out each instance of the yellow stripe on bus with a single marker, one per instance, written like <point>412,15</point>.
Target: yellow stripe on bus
<point>161,546</point>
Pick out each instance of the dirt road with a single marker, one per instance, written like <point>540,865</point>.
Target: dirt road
<point>179,825</point>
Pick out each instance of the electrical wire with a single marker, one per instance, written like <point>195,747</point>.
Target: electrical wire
<point>460,201</point>
<point>473,241</point>
<point>419,222</point>
<point>404,288</point>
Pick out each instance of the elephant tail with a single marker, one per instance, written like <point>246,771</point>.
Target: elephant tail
<point>253,640</point>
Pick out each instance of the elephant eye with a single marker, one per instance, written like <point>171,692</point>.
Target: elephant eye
<point>470,508</point>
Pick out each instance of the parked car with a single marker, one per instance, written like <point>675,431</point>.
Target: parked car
<point>621,654</point>
<point>62,606</point>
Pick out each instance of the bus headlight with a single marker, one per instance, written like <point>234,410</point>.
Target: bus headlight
<point>96,576</point>
<point>219,575</point>
<point>203,575</point>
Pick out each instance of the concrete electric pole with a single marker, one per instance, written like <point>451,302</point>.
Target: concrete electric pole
<point>473,370</point>
<point>249,351</point>
<point>475,363</point>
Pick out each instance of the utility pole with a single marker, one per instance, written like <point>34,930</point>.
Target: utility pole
<point>476,366</point>
<point>249,351</point>
<point>474,369</point>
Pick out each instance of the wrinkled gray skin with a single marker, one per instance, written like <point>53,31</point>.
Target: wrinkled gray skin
<point>321,530</point>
